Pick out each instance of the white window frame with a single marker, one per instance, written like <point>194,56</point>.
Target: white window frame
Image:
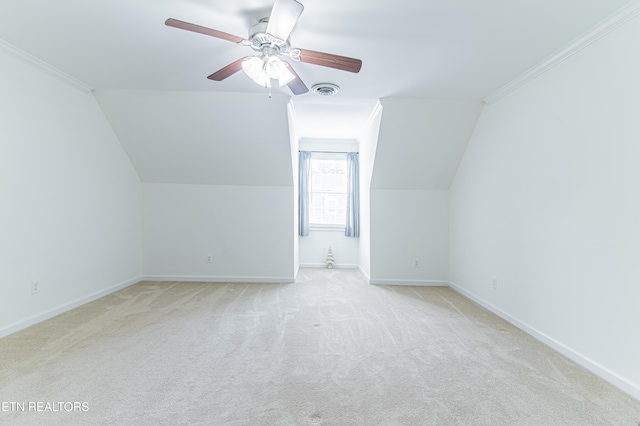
<point>326,156</point>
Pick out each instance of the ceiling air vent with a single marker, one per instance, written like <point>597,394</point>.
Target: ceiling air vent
<point>325,89</point>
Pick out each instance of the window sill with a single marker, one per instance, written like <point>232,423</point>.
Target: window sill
<point>329,228</point>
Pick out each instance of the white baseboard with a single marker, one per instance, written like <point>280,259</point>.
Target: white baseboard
<point>324,265</point>
<point>364,274</point>
<point>413,283</point>
<point>297,269</point>
<point>35,319</point>
<point>218,279</point>
<point>603,372</point>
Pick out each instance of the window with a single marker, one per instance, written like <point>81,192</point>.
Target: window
<point>328,187</point>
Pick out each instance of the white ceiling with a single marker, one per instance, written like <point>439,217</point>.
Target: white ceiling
<point>456,50</point>
<point>461,49</point>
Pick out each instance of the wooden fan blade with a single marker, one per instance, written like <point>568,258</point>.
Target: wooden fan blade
<point>284,15</point>
<point>227,71</point>
<point>332,61</point>
<point>296,85</point>
<point>202,30</point>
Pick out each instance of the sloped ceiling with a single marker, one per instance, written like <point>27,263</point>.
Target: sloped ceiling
<point>421,142</point>
<point>202,137</point>
<point>180,127</point>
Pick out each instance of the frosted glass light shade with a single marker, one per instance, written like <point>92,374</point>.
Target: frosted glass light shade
<point>264,69</point>
<point>254,68</point>
<point>278,70</point>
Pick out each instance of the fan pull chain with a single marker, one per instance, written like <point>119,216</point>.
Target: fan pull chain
<point>267,86</point>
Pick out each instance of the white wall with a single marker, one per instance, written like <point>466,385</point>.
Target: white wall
<point>247,229</point>
<point>409,225</point>
<point>315,246</point>
<point>294,143</point>
<point>420,144</point>
<point>70,199</point>
<point>547,200</point>
<point>368,145</point>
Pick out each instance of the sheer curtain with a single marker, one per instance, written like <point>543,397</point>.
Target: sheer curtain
<point>304,171</point>
<point>352,228</point>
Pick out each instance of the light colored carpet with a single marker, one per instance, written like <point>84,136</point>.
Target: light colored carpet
<point>327,350</point>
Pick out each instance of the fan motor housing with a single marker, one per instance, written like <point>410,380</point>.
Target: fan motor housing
<point>259,38</point>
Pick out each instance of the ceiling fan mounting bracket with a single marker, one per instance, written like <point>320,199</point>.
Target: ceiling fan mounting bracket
<point>259,39</point>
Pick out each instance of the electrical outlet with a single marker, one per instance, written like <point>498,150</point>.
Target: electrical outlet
<point>35,287</point>
<point>416,263</point>
<point>495,284</point>
<point>209,258</point>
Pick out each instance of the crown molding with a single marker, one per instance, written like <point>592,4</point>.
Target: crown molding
<point>45,67</point>
<point>616,20</point>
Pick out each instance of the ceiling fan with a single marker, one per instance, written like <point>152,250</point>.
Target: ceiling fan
<point>270,38</point>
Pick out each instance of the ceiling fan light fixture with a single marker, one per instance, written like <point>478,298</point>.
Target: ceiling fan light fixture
<point>277,70</point>
<point>254,68</point>
<point>263,69</point>
<point>270,38</point>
